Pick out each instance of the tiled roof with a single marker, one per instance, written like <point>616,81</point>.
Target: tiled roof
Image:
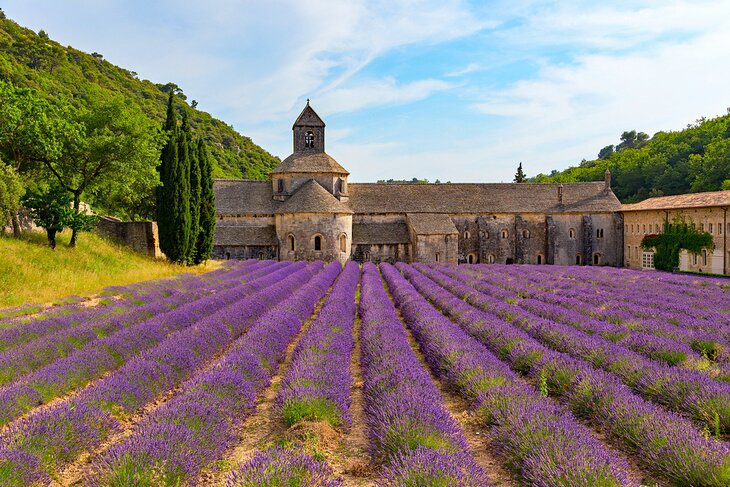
<point>480,198</point>
<point>691,200</point>
<point>243,197</point>
<point>311,197</point>
<point>380,233</point>
<point>310,162</point>
<point>431,224</point>
<point>236,197</point>
<point>245,235</point>
<point>309,118</point>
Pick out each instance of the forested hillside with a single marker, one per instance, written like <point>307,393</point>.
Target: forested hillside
<point>687,161</point>
<point>32,60</point>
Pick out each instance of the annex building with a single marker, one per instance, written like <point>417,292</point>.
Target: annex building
<point>309,210</point>
<point>706,211</point>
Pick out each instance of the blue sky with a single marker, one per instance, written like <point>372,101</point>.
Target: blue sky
<point>444,89</point>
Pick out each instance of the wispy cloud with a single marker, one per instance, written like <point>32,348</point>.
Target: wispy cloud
<point>469,68</point>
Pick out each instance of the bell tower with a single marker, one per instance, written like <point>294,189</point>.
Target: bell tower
<point>308,131</point>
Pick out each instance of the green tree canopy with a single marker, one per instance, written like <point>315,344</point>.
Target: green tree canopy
<point>11,190</point>
<point>106,149</point>
<point>51,210</point>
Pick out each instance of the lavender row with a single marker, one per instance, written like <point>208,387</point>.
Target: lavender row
<point>197,426</point>
<point>648,297</point>
<point>663,342</point>
<point>318,381</point>
<point>27,331</point>
<point>664,442</point>
<point>536,437</point>
<point>409,428</point>
<point>623,306</point>
<point>30,356</point>
<point>79,368</point>
<point>279,466</point>
<point>682,390</point>
<point>55,436</point>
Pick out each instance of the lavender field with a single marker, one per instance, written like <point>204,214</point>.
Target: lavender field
<point>267,373</point>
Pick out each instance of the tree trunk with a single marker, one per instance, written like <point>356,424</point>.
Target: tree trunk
<point>51,237</point>
<point>16,223</point>
<point>74,230</point>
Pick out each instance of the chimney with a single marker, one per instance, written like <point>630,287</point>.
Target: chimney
<point>560,194</point>
<point>607,181</point>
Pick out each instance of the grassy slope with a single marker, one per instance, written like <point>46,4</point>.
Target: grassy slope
<point>33,61</point>
<point>30,272</point>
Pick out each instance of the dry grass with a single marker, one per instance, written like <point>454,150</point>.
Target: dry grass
<point>30,272</point>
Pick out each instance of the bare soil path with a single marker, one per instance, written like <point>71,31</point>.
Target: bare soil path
<point>352,461</point>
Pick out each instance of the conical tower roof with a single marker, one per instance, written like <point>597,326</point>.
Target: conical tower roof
<point>313,198</point>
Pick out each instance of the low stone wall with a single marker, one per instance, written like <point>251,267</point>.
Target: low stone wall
<point>140,236</point>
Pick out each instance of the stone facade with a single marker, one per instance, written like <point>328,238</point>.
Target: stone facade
<point>707,211</point>
<point>308,210</point>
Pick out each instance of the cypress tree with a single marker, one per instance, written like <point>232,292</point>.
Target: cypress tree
<point>167,163</point>
<point>207,206</point>
<point>180,195</point>
<point>520,175</point>
<point>194,200</point>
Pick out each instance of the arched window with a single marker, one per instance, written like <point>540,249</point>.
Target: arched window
<point>505,234</point>
<point>471,258</point>
<point>309,140</point>
<point>704,257</point>
<point>571,233</point>
<point>228,256</point>
<point>343,243</point>
<point>596,259</point>
<point>490,259</point>
<point>280,185</point>
<point>467,235</point>
<point>525,234</point>
<point>261,256</point>
<point>539,259</point>
<point>292,243</point>
<point>578,259</point>
<point>438,256</point>
<point>317,243</point>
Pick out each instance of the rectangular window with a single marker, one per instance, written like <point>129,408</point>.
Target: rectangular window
<point>643,229</point>
<point>719,228</point>
<point>709,227</point>
<point>702,227</point>
<point>704,257</point>
<point>647,259</point>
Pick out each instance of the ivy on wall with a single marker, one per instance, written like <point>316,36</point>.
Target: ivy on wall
<point>677,236</point>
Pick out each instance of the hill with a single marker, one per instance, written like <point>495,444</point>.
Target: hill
<point>35,61</point>
<point>686,161</point>
<point>30,272</point>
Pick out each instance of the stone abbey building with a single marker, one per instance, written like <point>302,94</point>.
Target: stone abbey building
<point>309,210</point>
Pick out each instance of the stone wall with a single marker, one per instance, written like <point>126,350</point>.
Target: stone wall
<point>243,252</point>
<point>636,224</point>
<point>140,236</point>
<point>435,248</point>
<point>304,227</point>
<point>381,253</point>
